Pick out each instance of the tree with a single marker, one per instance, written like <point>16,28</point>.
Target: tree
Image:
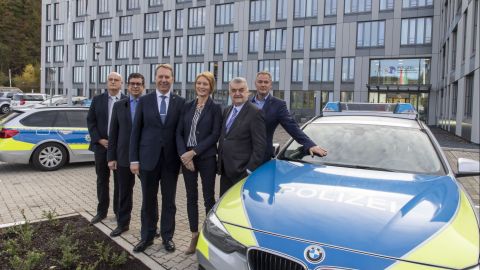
<point>30,78</point>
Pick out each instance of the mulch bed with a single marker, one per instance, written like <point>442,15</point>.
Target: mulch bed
<point>58,241</point>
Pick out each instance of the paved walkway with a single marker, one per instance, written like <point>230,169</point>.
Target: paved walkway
<point>72,190</point>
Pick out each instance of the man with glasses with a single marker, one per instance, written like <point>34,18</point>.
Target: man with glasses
<point>243,138</point>
<point>98,122</point>
<point>118,150</point>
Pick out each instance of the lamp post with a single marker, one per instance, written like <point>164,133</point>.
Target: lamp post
<point>52,72</point>
<point>97,49</point>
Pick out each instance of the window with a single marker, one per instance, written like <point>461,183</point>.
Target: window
<point>330,7</point>
<point>322,69</point>
<point>58,53</point>
<point>133,4</point>
<point>282,9</point>
<point>167,26</point>
<point>218,43</point>
<point>305,8</point>
<point>56,11</point>
<point>323,37</point>
<point>404,71</point>
<point>178,46</point>
<point>259,10</point>
<point>196,44</point>
<point>48,33</point>
<point>80,52</point>
<point>122,49</point>
<point>475,27</point>
<point>371,34</point>
<point>416,31</point>
<point>468,102</point>
<point>302,100</point>
<point>179,19</point>
<point>272,66</point>
<point>348,69</point>
<point>416,3</point>
<point>178,68</point>
<point>58,31</point>
<point>108,50</point>
<point>233,42</point>
<point>105,27</point>
<point>454,99</point>
<point>192,70</point>
<point>357,6</point>
<point>151,22</point>
<point>326,96</point>
<point>223,14</point>
<point>253,41</point>
<point>231,69</point>
<point>81,7</point>
<point>102,6</point>
<point>454,49</point>
<point>297,70</point>
<point>40,119</point>
<point>77,74</point>
<point>48,12</point>
<point>93,29</point>
<point>298,38</point>
<point>136,48</point>
<point>60,74</point>
<point>120,5</point>
<point>77,118</point>
<point>131,69</point>
<point>464,51</point>
<point>150,47</point>
<point>154,3</point>
<point>196,17</point>
<point>166,46</point>
<point>386,5</point>
<point>78,30</point>
<point>275,40</point>
<point>346,96</point>
<point>153,68</point>
<point>126,25</point>
<point>48,54</point>
<point>104,71</point>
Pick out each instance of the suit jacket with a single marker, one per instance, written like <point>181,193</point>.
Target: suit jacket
<point>150,137</point>
<point>120,129</point>
<point>276,112</point>
<point>97,121</point>
<point>243,147</point>
<point>207,131</point>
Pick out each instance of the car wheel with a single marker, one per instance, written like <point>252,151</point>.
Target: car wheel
<point>5,109</point>
<point>49,157</point>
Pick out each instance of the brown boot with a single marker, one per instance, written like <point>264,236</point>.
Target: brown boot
<point>193,244</point>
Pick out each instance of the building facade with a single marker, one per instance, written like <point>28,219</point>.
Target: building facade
<point>316,50</point>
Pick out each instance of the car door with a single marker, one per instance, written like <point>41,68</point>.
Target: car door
<point>72,127</point>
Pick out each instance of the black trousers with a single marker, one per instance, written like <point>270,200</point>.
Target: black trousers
<point>149,215</point>
<point>103,179</point>
<point>126,181</point>
<point>207,169</point>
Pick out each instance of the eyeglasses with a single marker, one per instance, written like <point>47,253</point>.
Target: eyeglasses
<point>135,84</point>
<point>239,90</point>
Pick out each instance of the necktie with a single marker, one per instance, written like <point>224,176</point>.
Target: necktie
<point>163,109</point>
<point>132,108</point>
<point>111,101</point>
<point>232,118</point>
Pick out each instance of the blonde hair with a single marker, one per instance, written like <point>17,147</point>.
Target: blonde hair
<point>264,72</point>
<point>210,78</point>
<point>166,66</point>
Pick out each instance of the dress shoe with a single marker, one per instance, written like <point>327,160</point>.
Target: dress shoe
<point>97,218</point>
<point>169,245</point>
<point>119,230</point>
<point>193,244</point>
<point>142,245</point>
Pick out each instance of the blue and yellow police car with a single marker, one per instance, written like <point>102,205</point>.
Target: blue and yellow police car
<point>385,197</point>
<point>47,138</point>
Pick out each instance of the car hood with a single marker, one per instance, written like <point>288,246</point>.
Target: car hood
<point>383,213</point>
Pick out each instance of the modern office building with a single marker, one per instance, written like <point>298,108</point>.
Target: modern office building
<point>316,50</point>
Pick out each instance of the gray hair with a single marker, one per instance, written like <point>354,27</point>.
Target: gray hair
<point>238,80</point>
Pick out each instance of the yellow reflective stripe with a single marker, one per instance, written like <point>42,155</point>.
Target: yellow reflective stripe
<point>202,246</point>
<point>457,246</point>
<point>231,210</point>
<point>14,145</point>
<point>48,128</point>
<point>78,146</point>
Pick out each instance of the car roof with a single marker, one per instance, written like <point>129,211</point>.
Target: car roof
<point>368,120</point>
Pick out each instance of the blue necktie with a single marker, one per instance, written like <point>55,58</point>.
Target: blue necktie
<point>132,108</point>
<point>163,109</point>
<point>230,121</point>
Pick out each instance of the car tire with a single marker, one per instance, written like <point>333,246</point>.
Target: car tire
<point>5,109</point>
<point>49,157</point>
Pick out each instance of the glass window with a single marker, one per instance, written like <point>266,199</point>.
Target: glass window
<point>322,69</point>
<point>80,52</point>
<point>151,22</point>
<point>81,7</point>
<point>78,31</point>
<point>330,7</point>
<point>323,37</point>
<point>272,66</point>
<point>386,4</point>
<point>253,41</point>
<point>166,46</point>
<point>417,3</point>
<point>153,68</point>
<point>196,44</point>
<point>58,53</point>
<point>126,25</point>
<point>105,27</point>
<point>275,40</point>
<point>357,6</point>
<point>224,14</point>
<point>454,48</point>
<point>371,34</point>
<point>58,31</point>
<point>93,29</point>
<point>193,69</point>
<point>259,10</point>
<point>40,119</point>
<point>282,9</point>
<point>348,69</point>
<point>346,96</point>
<point>231,69</point>
<point>104,71</point>
<point>122,49</point>
<point>150,47</point>
<point>77,118</point>
<point>154,3</point>
<point>48,54</point>
<point>233,42</point>
<point>78,74</point>
<point>167,20</point>
<point>468,101</point>
<point>133,4</point>
<point>179,19</point>
<point>416,31</point>
<point>48,12</point>
<point>108,50</point>
<point>56,11</point>
<point>297,70</point>
<point>301,100</point>
<point>405,71</point>
<point>326,96</point>
<point>48,33</point>
<point>196,17</point>
<point>218,43</point>
<point>131,69</point>
<point>102,6</point>
<point>298,38</point>
<point>178,46</point>
<point>178,69</point>
<point>120,5</point>
<point>305,8</point>
<point>475,26</point>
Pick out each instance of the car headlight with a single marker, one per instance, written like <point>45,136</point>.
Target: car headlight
<point>216,233</point>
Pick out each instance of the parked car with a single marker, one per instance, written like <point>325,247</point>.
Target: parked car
<point>26,100</point>
<point>8,92</point>
<point>47,138</point>
<point>60,101</point>
<point>4,105</point>
<point>384,197</point>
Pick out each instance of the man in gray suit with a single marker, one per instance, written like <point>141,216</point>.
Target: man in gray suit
<point>242,141</point>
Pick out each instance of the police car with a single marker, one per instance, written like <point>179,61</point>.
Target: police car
<point>48,138</point>
<point>385,197</point>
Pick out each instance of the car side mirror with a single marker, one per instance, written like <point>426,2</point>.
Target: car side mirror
<point>468,167</point>
<point>276,149</point>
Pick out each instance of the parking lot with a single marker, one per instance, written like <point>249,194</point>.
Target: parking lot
<point>72,190</point>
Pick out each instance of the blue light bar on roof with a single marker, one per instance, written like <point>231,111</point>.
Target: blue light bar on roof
<point>402,110</point>
<point>332,107</point>
<point>405,108</point>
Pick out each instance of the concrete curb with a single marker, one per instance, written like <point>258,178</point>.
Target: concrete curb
<point>36,220</point>
<point>144,258</point>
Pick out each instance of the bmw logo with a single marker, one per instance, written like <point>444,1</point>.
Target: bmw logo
<point>314,254</point>
<point>87,138</point>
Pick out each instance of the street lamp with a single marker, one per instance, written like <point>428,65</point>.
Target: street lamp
<point>97,49</point>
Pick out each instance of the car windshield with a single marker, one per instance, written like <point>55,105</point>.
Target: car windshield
<point>376,147</point>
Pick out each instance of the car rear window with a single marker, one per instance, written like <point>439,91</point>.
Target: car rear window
<point>57,118</point>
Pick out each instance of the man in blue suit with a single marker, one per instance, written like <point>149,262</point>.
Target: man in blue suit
<point>276,112</point>
<point>154,157</point>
